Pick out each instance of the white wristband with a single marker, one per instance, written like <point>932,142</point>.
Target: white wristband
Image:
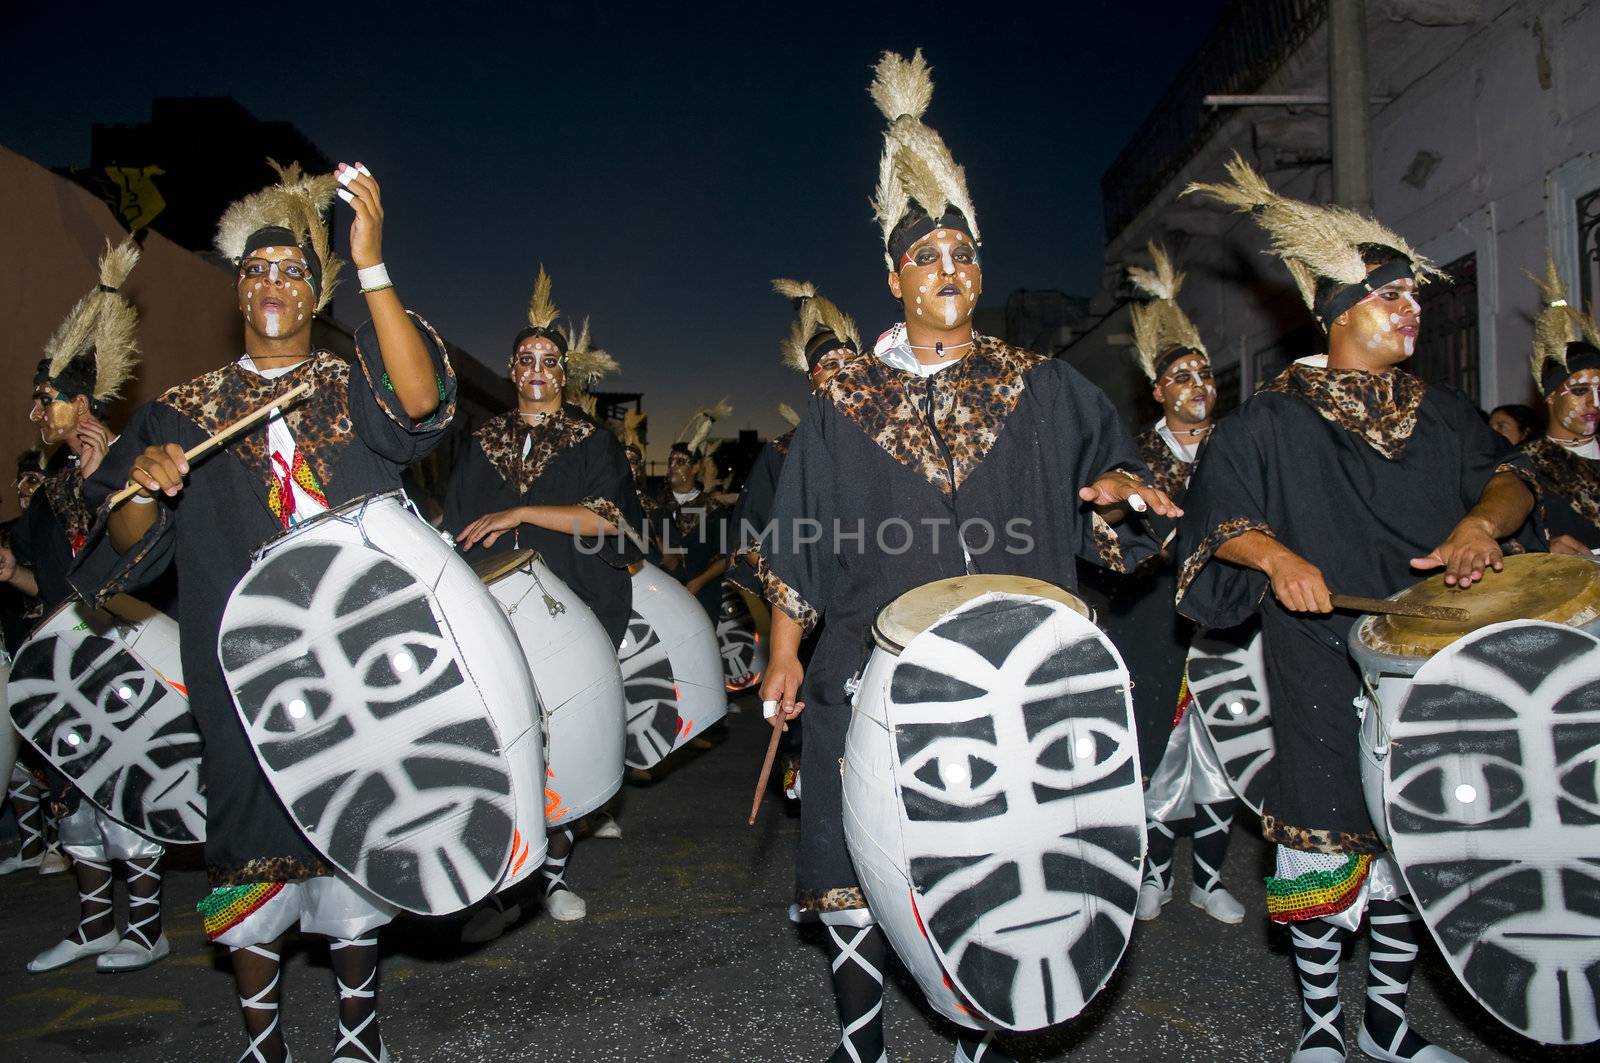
<point>142,500</point>
<point>373,277</point>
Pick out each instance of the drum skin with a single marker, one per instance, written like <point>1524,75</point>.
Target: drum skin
<point>574,670</point>
<point>744,656</point>
<point>99,692</point>
<point>671,668</point>
<point>993,810</point>
<point>1228,681</point>
<point>1494,812</point>
<point>369,665</point>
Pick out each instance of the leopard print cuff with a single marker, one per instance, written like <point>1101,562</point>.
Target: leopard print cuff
<point>1107,545</point>
<point>606,510</point>
<point>267,869</point>
<point>1228,529</point>
<point>783,596</point>
<point>838,899</point>
<point>1318,839</point>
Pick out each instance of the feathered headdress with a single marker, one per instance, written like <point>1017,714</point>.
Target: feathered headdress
<point>542,314</point>
<point>1162,332</point>
<point>920,185</point>
<point>93,351</point>
<point>790,415</point>
<point>698,427</point>
<point>1564,340</point>
<point>289,212</point>
<point>1319,241</point>
<point>586,365</point>
<point>633,429</point>
<point>819,326</point>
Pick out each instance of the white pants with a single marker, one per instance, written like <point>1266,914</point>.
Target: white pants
<point>328,905</point>
<point>90,834</point>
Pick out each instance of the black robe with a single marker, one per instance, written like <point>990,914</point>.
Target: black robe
<point>570,461</point>
<point>52,528</point>
<point>1326,486</point>
<point>356,438</point>
<point>697,532</point>
<point>1014,436</point>
<point>1570,491</point>
<point>754,508</point>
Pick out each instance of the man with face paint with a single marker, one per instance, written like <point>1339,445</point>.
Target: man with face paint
<point>362,423</point>
<point>1185,782</point>
<point>694,522</point>
<point>943,452</point>
<point>1566,367</point>
<point>1344,472</point>
<point>544,476</point>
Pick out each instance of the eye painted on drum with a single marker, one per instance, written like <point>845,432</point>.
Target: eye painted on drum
<point>1577,750</point>
<point>952,770</point>
<point>1456,782</point>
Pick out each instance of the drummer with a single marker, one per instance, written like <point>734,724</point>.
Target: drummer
<point>1566,368</point>
<point>363,422</point>
<point>1407,480</point>
<point>694,519</point>
<point>1185,783</point>
<point>944,452</point>
<point>543,476</point>
<point>87,362</point>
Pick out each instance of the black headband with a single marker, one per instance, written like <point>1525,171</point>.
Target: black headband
<point>1580,356</point>
<point>278,236</point>
<point>552,334</point>
<point>821,343</point>
<point>916,225</point>
<point>1165,361</point>
<point>1339,300</point>
<point>77,378</point>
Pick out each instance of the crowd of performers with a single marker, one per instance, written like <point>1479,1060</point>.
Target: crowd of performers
<point>1344,471</point>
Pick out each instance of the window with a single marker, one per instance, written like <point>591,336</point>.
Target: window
<point>1588,211</point>
<point>1227,389</point>
<point>1447,350</point>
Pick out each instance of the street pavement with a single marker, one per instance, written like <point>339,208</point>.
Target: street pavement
<point>687,954</point>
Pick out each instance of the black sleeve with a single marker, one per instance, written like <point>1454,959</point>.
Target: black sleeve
<point>99,570</point>
<point>1227,497</point>
<point>379,419</point>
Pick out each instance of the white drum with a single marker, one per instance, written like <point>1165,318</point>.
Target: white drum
<point>10,741</point>
<point>99,692</point>
<point>575,672</point>
<point>1227,677</point>
<point>671,668</point>
<point>744,657</point>
<point>387,699</point>
<point>992,802</point>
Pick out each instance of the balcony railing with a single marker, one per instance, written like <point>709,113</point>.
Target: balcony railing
<point>1252,38</point>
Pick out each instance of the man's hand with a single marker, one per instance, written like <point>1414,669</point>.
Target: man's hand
<point>490,527</point>
<point>1119,487</point>
<point>1566,544</point>
<point>366,231</point>
<point>1466,555</point>
<point>159,470</point>
<point>1297,583</point>
<point>780,687</point>
<point>91,441</point>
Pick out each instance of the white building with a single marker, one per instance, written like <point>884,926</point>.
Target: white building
<point>1485,145</point>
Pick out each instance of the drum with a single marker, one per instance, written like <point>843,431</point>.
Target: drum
<point>744,658</point>
<point>1389,650</point>
<point>10,741</point>
<point>574,670</point>
<point>100,694</point>
<point>374,675</point>
<point>671,668</point>
<point>992,802</point>
<point>1226,675</point>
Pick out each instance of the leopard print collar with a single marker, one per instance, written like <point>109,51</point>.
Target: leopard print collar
<point>63,489</point>
<point>1381,408</point>
<point>1167,471</point>
<point>1575,479</point>
<point>971,401</point>
<point>503,439</point>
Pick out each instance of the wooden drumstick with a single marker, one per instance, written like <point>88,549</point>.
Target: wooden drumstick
<point>1384,606</point>
<point>766,773</point>
<point>249,420</point>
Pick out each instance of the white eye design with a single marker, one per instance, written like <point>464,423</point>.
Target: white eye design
<point>73,739</point>
<point>297,708</point>
<point>125,693</point>
<point>1235,708</point>
<point>403,662</point>
<point>1083,747</point>
<point>1466,793</point>
<point>955,773</point>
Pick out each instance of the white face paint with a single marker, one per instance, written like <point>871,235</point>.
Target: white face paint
<point>272,323</point>
<point>945,260</point>
<point>949,313</point>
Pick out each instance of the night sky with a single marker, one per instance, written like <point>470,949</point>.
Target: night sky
<point>663,161</point>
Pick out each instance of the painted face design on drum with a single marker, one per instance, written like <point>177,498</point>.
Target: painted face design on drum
<point>1387,322</point>
<point>538,370</point>
<point>1016,762</point>
<point>275,292</point>
<point>1228,683</point>
<point>114,728</point>
<point>1494,791</point>
<point>650,694</point>
<point>743,656</point>
<point>332,650</point>
<point>1575,405</point>
<point>1187,391</point>
<point>939,280</point>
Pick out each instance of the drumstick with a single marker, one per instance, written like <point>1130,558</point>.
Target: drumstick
<point>1383,605</point>
<point>202,448</point>
<point>766,773</point>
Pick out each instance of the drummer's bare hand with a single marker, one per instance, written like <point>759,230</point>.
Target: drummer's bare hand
<point>1120,487</point>
<point>782,685</point>
<point>366,231</point>
<point>490,527</point>
<point>1466,555</point>
<point>1566,544</point>
<point>1297,583</point>
<point>160,470</point>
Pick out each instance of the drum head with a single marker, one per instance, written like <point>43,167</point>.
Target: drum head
<point>1495,820</point>
<point>1021,812</point>
<point>121,731</point>
<point>1228,681</point>
<point>496,566</point>
<point>1557,588</point>
<point>916,610</point>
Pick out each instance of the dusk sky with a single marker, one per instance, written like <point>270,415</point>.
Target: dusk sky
<point>663,161</point>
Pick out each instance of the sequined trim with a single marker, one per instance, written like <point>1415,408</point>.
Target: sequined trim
<point>1228,529</point>
<point>838,899</point>
<point>1317,893</point>
<point>1185,699</point>
<point>227,906</point>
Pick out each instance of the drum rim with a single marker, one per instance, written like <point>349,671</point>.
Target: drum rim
<point>506,563</point>
<point>891,645</point>
<point>340,514</point>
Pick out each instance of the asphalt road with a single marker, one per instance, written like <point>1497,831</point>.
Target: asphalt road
<point>686,955</point>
